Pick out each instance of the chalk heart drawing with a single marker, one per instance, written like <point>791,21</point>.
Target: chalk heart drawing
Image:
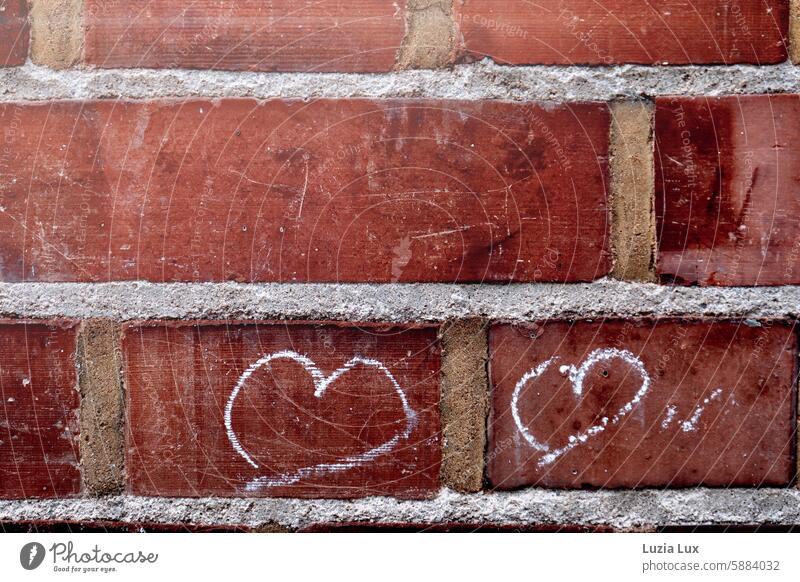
<point>321,384</point>
<point>577,377</point>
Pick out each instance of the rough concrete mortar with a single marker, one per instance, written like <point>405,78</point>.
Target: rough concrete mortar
<point>56,32</point>
<point>484,80</point>
<point>464,403</point>
<point>794,31</point>
<point>430,34</point>
<point>633,221</point>
<point>618,509</point>
<point>391,303</point>
<point>102,441</point>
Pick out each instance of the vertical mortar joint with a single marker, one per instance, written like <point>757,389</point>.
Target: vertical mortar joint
<point>464,403</point>
<point>57,30</point>
<point>101,410</point>
<point>794,31</point>
<point>633,226</point>
<point>429,41</point>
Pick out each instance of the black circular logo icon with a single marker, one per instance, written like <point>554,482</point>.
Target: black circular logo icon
<point>31,555</point>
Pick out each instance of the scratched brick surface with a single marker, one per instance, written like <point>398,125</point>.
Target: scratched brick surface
<point>667,404</point>
<point>325,191</point>
<point>604,32</point>
<point>313,423</point>
<point>14,32</point>
<point>39,413</point>
<point>280,35</point>
<point>726,190</point>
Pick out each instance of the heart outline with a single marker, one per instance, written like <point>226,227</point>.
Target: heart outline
<point>577,376</point>
<point>321,384</point>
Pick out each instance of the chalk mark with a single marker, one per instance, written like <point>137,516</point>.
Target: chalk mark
<point>577,377</point>
<point>321,384</point>
<point>691,424</point>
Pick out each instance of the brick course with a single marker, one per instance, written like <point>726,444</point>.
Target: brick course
<point>39,423</point>
<point>283,35</point>
<point>726,204</point>
<point>321,416</point>
<point>623,31</point>
<point>14,33</point>
<point>327,191</point>
<point>642,404</point>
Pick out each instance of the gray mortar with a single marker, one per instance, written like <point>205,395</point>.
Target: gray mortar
<point>390,303</point>
<point>484,80</point>
<point>619,509</point>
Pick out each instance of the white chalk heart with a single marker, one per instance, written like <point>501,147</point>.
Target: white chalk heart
<point>577,376</point>
<point>321,383</point>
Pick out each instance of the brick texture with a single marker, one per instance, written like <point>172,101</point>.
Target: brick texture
<point>313,423</point>
<point>281,35</point>
<point>726,196</point>
<point>39,413</point>
<point>677,404</point>
<point>326,191</point>
<point>14,32</point>
<point>623,31</point>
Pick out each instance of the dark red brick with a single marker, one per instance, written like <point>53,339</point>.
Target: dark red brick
<point>39,413</point>
<point>326,191</point>
<point>180,378</point>
<point>280,35</point>
<point>718,409</point>
<point>726,190</point>
<point>14,32</point>
<point>598,32</point>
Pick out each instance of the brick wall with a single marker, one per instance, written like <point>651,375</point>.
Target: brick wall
<point>429,264</point>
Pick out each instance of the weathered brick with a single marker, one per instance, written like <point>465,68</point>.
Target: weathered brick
<point>14,32</point>
<point>642,404</point>
<point>281,35</point>
<point>623,31</point>
<point>39,413</point>
<point>726,202</point>
<point>326,191</point>
<point>328,426</point>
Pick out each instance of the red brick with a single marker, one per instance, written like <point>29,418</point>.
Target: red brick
<point>726,190</point>
<point>598,32</point>
<point>718,409</point>
<point>281,35</point>
<point>181,377</point>
<point>326,191</point>
<point>14,32</point>
<point>39,413</point>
